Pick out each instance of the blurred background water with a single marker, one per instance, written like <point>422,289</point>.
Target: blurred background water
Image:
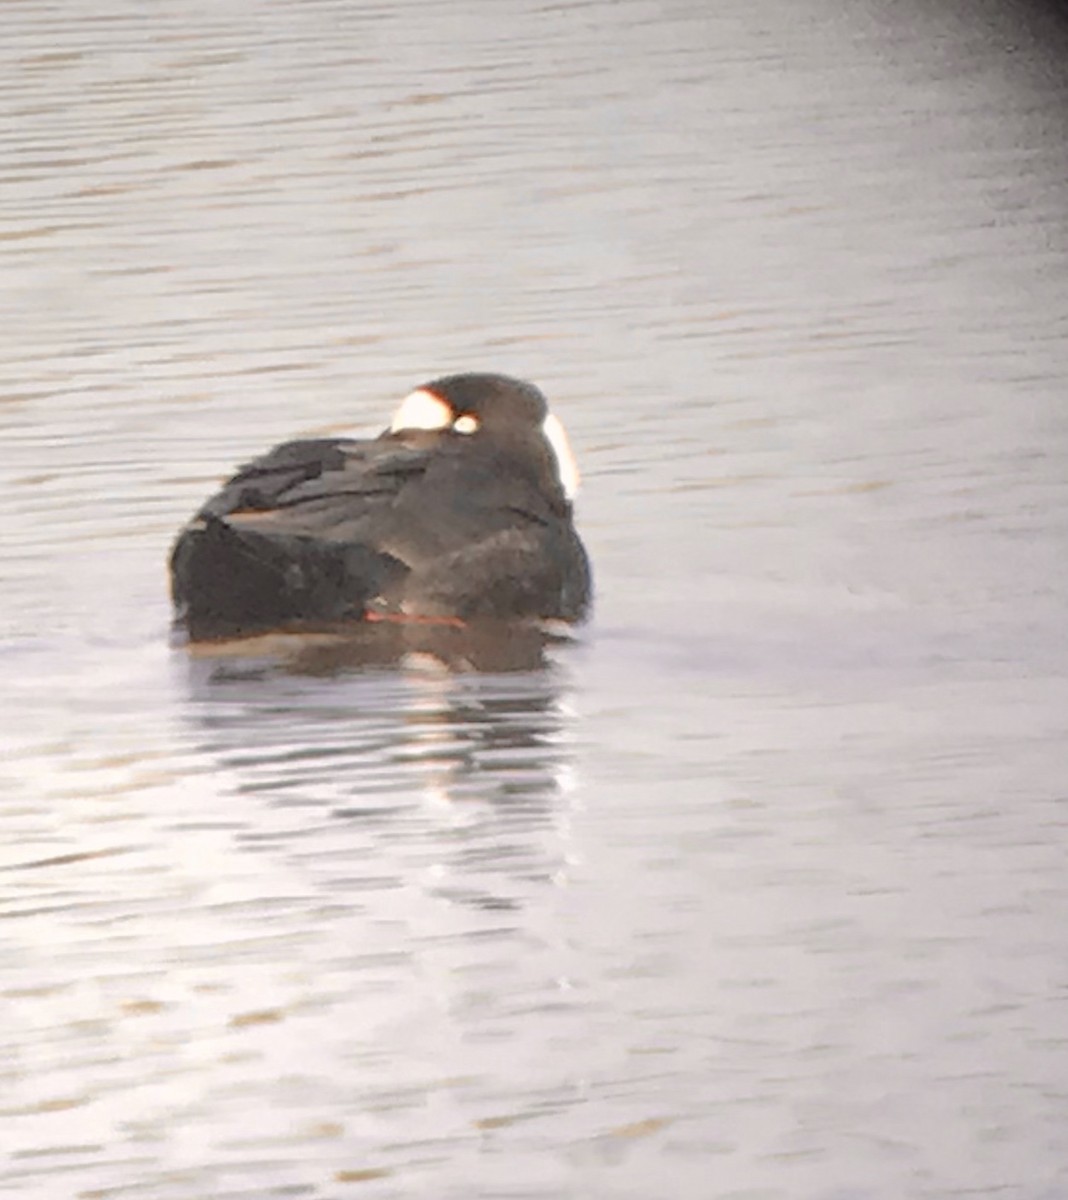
<point>759,891</point>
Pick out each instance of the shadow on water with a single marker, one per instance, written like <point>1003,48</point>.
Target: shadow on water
<point>394,753</point>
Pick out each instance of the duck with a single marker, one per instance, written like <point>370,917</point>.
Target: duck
<point>460,512</point>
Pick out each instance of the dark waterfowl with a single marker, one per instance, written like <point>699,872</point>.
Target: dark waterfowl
<point>460,512</point>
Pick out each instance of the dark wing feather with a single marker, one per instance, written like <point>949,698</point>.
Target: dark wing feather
<point>296,478</point>
<point>509,573</point>
<point>292,537</point>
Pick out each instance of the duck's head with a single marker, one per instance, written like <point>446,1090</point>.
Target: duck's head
<point>494,406</point>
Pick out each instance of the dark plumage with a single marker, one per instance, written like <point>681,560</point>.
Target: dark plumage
<point>460,511</point>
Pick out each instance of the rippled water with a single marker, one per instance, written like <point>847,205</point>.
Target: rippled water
<point>759,890</point>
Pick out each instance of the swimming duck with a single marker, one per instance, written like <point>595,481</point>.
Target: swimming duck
<point>461,511</point>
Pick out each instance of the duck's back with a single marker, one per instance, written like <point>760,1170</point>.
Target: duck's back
<point>420,523</point>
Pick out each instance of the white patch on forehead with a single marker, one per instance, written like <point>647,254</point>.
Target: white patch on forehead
<point>422,410</point>
<point>566,467</point>
<point>465,424</point>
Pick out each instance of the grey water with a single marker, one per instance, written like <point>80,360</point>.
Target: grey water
<point>758,890</point>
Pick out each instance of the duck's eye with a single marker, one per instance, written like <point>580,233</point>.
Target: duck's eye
<point>465,424</point>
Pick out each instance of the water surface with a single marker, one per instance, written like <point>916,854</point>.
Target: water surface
<point>758,890</point>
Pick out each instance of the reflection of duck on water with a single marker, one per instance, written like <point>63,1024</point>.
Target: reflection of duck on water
<point>451,784</point>
<point>459,513</point>
<point>493,646</point>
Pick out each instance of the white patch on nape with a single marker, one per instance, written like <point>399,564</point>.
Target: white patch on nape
<point>422,410</point>
<point>566,467</point>
<point>466,424</point>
